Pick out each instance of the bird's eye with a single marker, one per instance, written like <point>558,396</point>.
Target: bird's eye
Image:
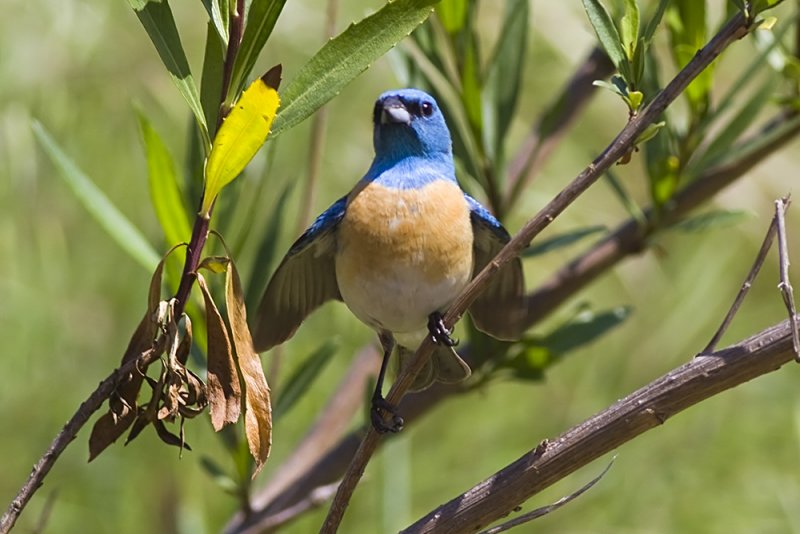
<point>427,109</point>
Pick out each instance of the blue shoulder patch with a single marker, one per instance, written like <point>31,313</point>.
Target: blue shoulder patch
<point>482,216</point>
<point>321,225</point>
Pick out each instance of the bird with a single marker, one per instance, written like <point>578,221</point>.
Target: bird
<point>397,250</point>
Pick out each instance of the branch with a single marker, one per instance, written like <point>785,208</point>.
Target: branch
<point>703,377</point>
<point>735,29</point>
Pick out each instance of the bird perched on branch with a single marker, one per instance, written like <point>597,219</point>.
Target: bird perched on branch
<point>397,250</point>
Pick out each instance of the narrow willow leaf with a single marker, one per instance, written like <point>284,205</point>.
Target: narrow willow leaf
<point>606,31</point>
<point>346,56</point>
<point>241,135</point>
<point>687,23</point>
<point>122,406</point>
<point>258,407</point>
<point>302,378</point>
<point>219,17</point>
<point>453,14</point>
<point>261,18</point>
<point>710,220</point>
<point>211,79</point>
<point>625,198</point>
<point>164,189</point>
<point>584,328</point>
<point>97,203</point>
<point>224,392</point>
<point>652,24</point>
<point>471,86</point>
<point>736,126</point>
<point>156,17</point>
<point>561,240</point>
<point>629,28</point>
<point>506,67</point>
<point>223,480</point>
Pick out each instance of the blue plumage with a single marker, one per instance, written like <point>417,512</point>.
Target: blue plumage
<point>398,249</point>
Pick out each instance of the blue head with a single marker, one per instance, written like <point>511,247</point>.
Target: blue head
<point>408,123</point>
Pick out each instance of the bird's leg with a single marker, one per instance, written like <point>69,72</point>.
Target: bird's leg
<point>379,403</point>
<point>439,332</point>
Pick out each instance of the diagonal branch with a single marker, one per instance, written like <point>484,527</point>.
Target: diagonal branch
<point>704,376</point>
<point>735,29</point>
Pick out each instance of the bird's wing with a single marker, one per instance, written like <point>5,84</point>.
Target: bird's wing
<point>499,309</point>
<point>305,279</point>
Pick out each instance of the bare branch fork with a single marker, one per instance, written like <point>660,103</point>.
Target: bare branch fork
<point>735,29</point>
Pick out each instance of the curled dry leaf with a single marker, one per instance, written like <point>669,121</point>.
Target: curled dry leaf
<point>258,409</point>
<point>224,392</point>
<point>122,405</point>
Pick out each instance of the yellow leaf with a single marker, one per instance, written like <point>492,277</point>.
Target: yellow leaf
<point>258,408</point>
<point>241,135</point>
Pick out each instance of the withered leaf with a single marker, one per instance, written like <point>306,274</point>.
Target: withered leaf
<point>224,393</point>
<point>215,264</point>
<point>122,405</point>
<point>258,408</point>
<point>168,437</point>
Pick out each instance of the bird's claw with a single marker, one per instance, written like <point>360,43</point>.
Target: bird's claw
<point>379,404</point>
<point>440,334</point>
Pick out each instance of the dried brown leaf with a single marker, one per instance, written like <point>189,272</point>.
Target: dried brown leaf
<point>258,408</point>
<point>224,392</point>
<point>168,437</point>
<point>122,405</point>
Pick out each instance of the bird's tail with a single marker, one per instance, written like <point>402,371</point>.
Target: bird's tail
<point>444,365</point>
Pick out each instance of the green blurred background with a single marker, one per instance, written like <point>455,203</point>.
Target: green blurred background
<point>70,297</point>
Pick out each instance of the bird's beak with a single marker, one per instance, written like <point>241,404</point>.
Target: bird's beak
<point>394,111</point>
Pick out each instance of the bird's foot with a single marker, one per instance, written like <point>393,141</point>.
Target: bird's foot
<point>439,332</point>
<point>379,405</point>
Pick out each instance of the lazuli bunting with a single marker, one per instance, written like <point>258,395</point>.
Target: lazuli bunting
<point>397,250</point>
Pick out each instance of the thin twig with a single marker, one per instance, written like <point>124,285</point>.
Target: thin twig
<point>785,286</point>
<point>544,510</point>
<point>702,377</point>
<point>735,29</point>
<point>748,283</point>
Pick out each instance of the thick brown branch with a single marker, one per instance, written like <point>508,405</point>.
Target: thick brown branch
<point>701,378</point>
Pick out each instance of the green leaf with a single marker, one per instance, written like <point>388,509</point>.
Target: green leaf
<point>453,14</point>
<point>261,19</point>
<point>736,126</point>
<point>219,17</point>
<point>164,190</point>
<point>629,28</point>
<point>156,17</point>
<point>585,327</point>
<point>302,378</point>
<point>471,86</point>
<point>346,56</point>
<point>267,248</point>
<point>97,203</point>
<point>211,79</point>
<point>687,23</point>
<point>652,24</point>
<point>625,198</point>
<point>506,67</point>
<point>223,480</point>
<point>561,240</point>
<point>606,31</point>
<point>710,220</point>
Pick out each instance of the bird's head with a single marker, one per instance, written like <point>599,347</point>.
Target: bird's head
<point>408,122</point>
